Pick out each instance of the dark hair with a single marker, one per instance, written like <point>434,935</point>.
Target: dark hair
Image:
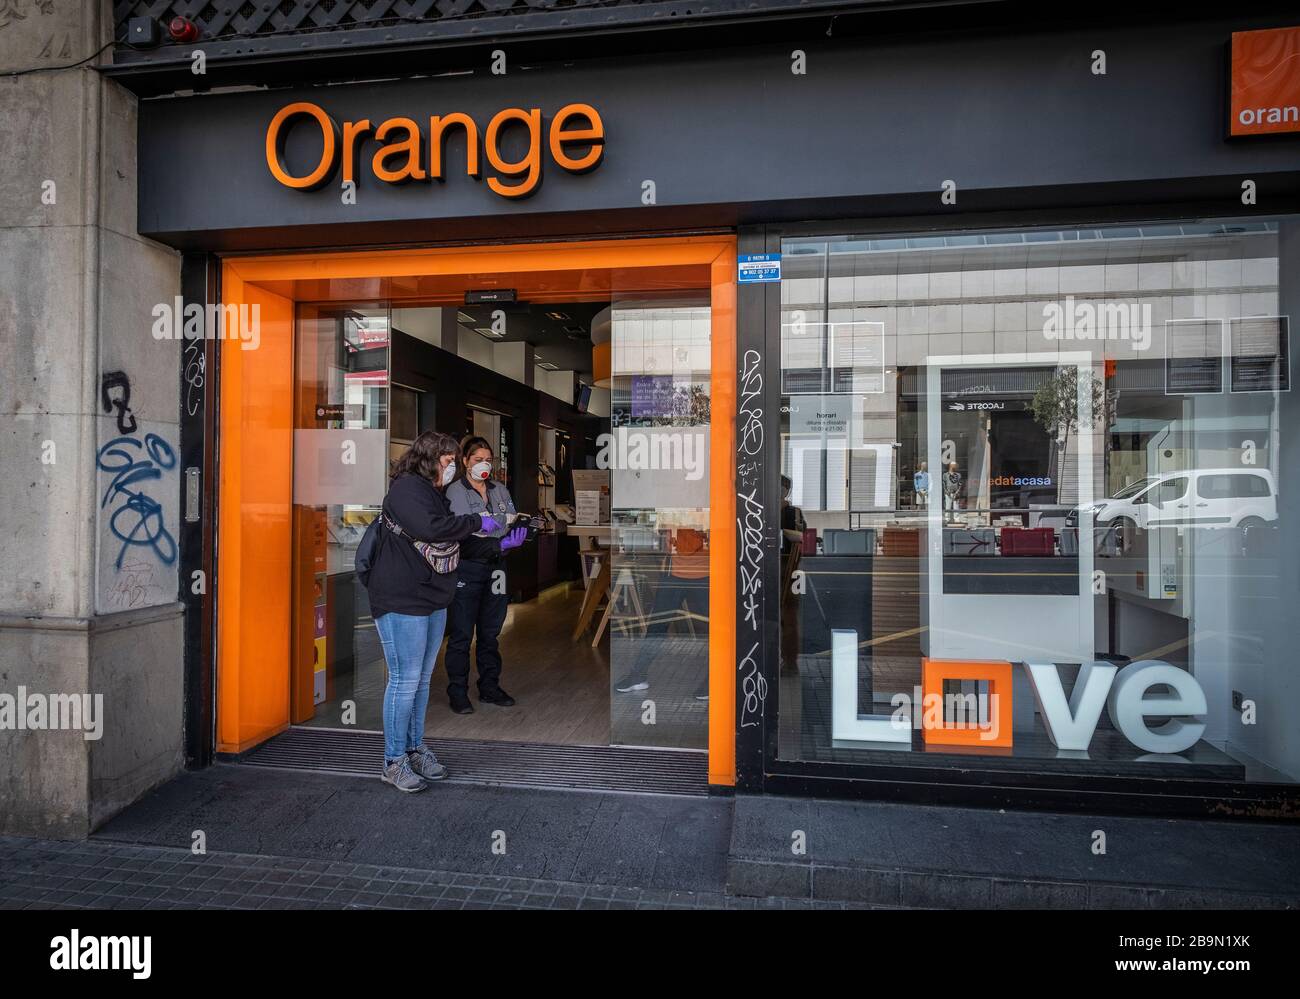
<point>468,445</point>
<point>422,458</point>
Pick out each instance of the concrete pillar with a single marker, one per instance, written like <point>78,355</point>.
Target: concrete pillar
<point>82,611</point>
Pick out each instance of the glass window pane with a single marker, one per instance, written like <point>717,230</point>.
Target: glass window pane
<point>1016,462</point>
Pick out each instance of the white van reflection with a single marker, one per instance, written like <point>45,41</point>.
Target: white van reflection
<point>1200,497</point>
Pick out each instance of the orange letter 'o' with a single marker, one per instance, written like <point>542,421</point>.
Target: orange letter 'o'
<point>275,145</point>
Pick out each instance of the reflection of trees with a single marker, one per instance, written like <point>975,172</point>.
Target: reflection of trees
<point>685,405</point>
<point>1056,408</point>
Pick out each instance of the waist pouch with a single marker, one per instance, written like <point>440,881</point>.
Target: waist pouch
<point>442,557</point>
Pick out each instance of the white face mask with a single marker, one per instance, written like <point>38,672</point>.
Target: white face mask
<point>481,470</point>
<point>448,473</point>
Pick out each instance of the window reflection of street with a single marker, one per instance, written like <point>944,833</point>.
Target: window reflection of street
<point>1110,485</point>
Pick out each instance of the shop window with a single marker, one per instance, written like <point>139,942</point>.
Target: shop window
<point>1045,467</point>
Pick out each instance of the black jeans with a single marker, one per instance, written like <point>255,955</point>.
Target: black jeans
<point>669,595</point>
<point>475,609</point>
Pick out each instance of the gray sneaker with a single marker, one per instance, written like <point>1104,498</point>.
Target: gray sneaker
<point>424,763</point>
<point>401,776</point>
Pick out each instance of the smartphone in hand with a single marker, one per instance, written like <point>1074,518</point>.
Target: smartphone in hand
<point>528,520</point>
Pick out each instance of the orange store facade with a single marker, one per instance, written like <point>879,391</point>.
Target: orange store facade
<point>937,465</point>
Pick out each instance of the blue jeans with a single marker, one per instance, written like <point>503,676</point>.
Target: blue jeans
<point>411,648</point>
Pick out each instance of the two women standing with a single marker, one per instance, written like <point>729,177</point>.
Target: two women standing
<point>410,588</point>
<point>414,581</point>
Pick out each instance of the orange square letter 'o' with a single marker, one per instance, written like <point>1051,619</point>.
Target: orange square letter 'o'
<point>997,732</point>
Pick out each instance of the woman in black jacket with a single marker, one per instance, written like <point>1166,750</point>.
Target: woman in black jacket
<point>410,587</point>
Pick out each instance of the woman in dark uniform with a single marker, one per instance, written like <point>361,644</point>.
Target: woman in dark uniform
<point>479,605</point>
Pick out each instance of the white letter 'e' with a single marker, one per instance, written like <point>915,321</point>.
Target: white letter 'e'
<point>1128,706</point>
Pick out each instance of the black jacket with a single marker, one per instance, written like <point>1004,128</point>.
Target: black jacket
<point>401,581</point>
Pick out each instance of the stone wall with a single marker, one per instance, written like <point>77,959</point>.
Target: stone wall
<point>89,438</point>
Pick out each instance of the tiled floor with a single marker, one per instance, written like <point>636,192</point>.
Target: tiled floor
<point>49,874</point>
<point>562,686</point>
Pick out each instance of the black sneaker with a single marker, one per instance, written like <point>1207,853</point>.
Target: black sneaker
<point>460,704</point>
<point>498,697</point>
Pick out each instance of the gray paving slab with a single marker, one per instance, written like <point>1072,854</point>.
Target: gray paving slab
<point>661,841</point>
<point>944,856</point>
<point>28,867</point>
<point>355,831</point>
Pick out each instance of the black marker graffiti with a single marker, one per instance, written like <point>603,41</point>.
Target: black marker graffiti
<point>115,393</point>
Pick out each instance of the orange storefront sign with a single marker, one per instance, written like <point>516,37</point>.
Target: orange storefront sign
<point>1266,81</point>
<point>575,139</point>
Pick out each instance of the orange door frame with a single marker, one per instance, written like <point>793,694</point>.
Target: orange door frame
<point>255,447</point>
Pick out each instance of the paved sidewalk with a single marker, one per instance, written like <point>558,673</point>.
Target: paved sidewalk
<point>666,842</point>
<point>48,874</point>
<point>282,837</point>
<point>936,856</point>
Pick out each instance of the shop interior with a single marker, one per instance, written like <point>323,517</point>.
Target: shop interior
<point>556,370</point>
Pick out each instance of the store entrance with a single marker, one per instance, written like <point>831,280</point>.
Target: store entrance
<point>589,373</point>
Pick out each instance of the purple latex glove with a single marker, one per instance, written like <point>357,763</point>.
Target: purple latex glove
<point>490,524</point>
<point>514,539</point>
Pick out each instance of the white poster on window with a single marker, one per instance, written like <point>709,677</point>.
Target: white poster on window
<point>657,468</point>
<point>824,415</point>
<point>818,442</point>
<point>340,466</point>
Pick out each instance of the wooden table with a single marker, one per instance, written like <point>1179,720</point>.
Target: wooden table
<point>592,539</point>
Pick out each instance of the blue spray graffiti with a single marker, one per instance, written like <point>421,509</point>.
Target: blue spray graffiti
<point>139,520</point>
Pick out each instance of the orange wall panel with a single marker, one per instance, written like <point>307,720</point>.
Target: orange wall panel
<point>722,523</point>
<point>254,542</point>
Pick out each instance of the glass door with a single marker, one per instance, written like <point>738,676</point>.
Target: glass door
<point>340,451</point>
<point>657,452</point>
